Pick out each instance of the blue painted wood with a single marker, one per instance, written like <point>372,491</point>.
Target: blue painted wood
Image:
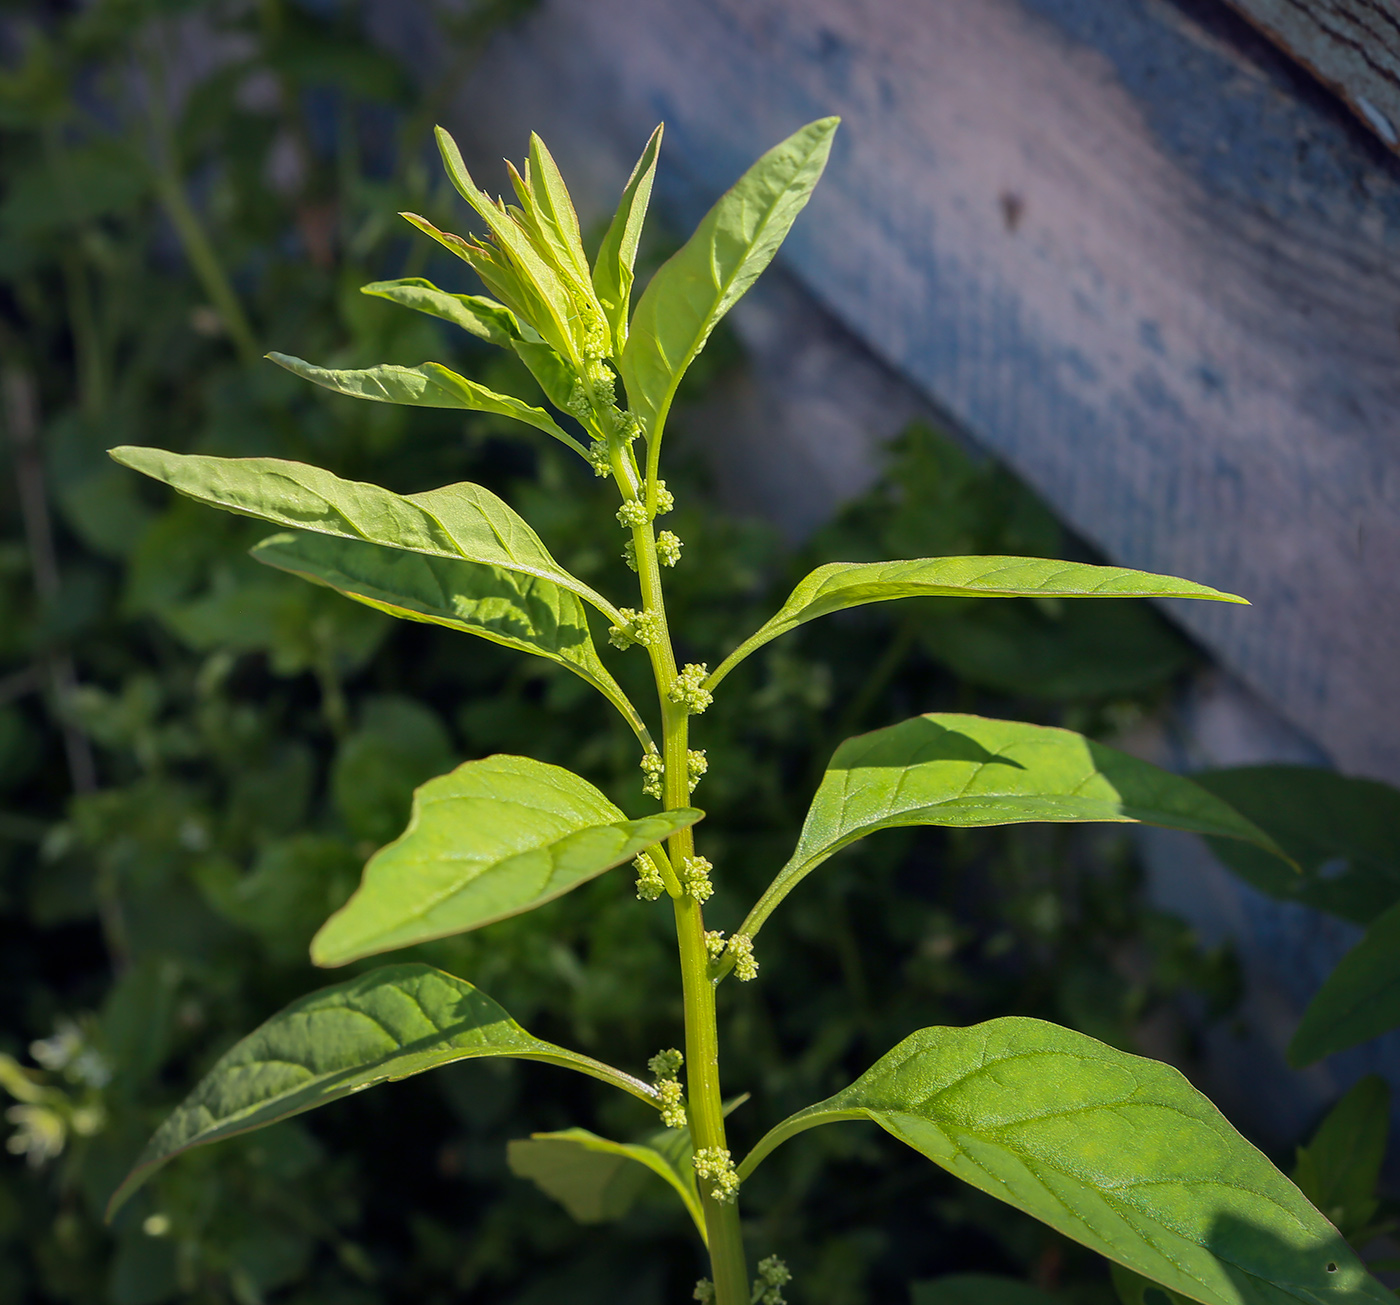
<point>1126,248</point>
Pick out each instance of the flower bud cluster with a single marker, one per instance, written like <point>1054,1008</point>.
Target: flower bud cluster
<point>665,500</point>
<point>599,459</point>
<point>740,947</point>
<point>633,513</point>
<point>704,1292</point>
<point>695,878</point>
<point>695,767</point>
<point>665,1067</point>
<point>712,1164</point>
<point>773,1275</point>
<point>687,689</point>
<point>714,943</point>
<point>635,627</point>
<point>654,770</point>
<point>650,885</point>
<point>668,547</point>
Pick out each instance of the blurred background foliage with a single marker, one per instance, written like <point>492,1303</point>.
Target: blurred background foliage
<point>197,754</point>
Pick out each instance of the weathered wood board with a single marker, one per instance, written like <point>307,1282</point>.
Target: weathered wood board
<point>1352,45</point>
<point>1112,237</point>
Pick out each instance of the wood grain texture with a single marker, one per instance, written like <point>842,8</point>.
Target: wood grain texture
<point>1352,45</point>
<point>1126,255</point>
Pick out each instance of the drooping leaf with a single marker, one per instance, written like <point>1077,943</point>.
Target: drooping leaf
<point>430,385</point>
<point>598,1181</point>
<point>734,242</point>
<point>1118,1152</point>
<point>1340,1167</point>
<point>948,769</point>
<point>977,1289</point>
<point>839,585</point>
<point>617,255</point>
<point>491,839</point>
<point>520,611</point>
<point>458,521</point>
<point>1343,832</point>
<point>481,317</point>
<point>1359,1001</point>
<point>388,1024</point>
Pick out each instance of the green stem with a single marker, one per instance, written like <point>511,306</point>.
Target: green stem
<point>705,1102</point>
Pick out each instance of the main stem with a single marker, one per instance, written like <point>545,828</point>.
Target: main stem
<point>705,1103</point>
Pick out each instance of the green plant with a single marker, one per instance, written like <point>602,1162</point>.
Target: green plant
<point>1115,1151</point>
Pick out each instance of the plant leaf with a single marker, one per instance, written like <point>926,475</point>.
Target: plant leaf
<point>388,1024</point>
<point>1343,832</point>
<point>520,611</point>
<point>1359,1001</point>
<point>947,769</point>
<point>1118,1152</point>
<point>1340,1167</point>
<point>461,522</point>
<point>488,840</point>
<point>430,385</point>
<point>612,269</point>
<point>734,242</point>
<point>839,585</point>
<point>596,1180</point>
<point>479,316</point>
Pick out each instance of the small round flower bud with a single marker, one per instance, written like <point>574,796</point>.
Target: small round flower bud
<point>695,767</point>
<point>688,690</point>
<point>666,1064</point>
<point>668,547</point>
<point>712,1163</point>
<point>695,878</point>
<point>672,1103</point>
<point>598,458</point>
<point>636,627</point>
<point>649,882</point>
<point>632,513</point>
<point>579,403</point>
<point>740,947</point>
<point>654,768</point>
<point>768,1286</point>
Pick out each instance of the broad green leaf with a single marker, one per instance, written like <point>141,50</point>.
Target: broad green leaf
<point>461,522</point>
<point>388,1024</point>
<point>977,1289</point>
<point>481,317</point>
<point>430,385</point>
<point>1343,832</point>
<point>1340,1167</point>
<point>839,585</point>
<point>596,1180</point>
<point>734,242</point>
<point>1118,1152</point>
<point>491,839</point>
<point>617,255</point>
<point>946,769</point>
<point>1359,1001</point>
<point>520,611</point>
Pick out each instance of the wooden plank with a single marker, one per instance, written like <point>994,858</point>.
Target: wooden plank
<point>1125,254</point>
<point>1352,45</point>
